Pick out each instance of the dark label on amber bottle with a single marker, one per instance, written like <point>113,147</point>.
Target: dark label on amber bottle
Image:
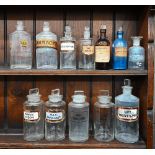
<point>46,43</point>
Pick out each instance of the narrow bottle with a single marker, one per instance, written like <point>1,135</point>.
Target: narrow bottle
<point>102,51</point>
<point>86,56</point>
<point>119,49</point>
<point>20,48</point>
<point>68,50</point>
<point>136,54</point>
<point>55,121</point>
<point>46,49</point>
<point>78,111</point>
<point>127,115</point>
<point>33,125</point>
<point>104,117</point>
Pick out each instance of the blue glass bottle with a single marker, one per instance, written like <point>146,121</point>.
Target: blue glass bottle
<point>119,49</point>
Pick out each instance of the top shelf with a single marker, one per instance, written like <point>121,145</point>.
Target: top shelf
<point>8,71</point>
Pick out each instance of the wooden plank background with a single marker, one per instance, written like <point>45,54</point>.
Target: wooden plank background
<point>17,87</point>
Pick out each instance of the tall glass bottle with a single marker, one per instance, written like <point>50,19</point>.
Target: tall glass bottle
<point>20,48</point>
<point>46,49</point>
<point>86,56</point>
<point>119,49</point>
<point>102,51</point>
<point>33,125</point>
<point>55,121</point>
<point>127,115</point>
<point>68,50</point>
<point>104,117</point>
<point>78,115</point>
<point>136,54</point>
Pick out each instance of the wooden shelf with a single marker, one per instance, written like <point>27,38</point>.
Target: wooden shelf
<point>73,72</point>
<point>16,141</point>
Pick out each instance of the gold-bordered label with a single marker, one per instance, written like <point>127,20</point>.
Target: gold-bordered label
<point>46,43</point>
<point>127,114</point>
<point>24,43</point>
<point>102,54</point>
<point>88,50</point>
<point>121,51</point>
<point>31,116</point>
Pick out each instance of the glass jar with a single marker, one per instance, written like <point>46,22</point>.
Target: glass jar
<point>67,50</point>
<point>55,121</point>
<point>33,125</point>
<point>127,115</point>
<point>104,117</point>
<point>46,49</point>
<point>20,48</point>
<point>78,115</point>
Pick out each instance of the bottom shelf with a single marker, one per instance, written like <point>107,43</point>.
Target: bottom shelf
<point>16,141</point>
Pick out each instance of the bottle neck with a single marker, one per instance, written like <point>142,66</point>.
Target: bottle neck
<point>127,90</point>
<point>102,33</point>
<point>120,35</point>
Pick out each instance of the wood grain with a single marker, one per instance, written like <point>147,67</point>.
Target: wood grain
<point>17,86</point>
<point>16,141</point>
<point>1,64</point>
<point>55,19</point>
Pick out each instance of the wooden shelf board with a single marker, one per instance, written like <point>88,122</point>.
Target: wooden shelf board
<point>16,141</point>
<point>72,72</point>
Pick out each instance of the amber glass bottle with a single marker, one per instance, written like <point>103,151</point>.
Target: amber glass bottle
<point>102,51</point>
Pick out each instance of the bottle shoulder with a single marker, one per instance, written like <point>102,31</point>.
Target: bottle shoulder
<point>137,48</point>
<point>55,104</point>
<point>46,35</point>
<point>78,105</point>
<point>101,105</point>
<point>27,103</point>
<point>120,42</point>
<point>127,100</point>
<point>19,33</point>
<point>102,42</point>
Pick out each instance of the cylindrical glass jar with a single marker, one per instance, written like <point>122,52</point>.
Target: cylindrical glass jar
<point>55,121</point>
<point>104,117</point>
<point>33,124</point>
<point>78,115</point>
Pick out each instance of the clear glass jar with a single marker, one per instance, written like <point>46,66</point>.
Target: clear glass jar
<point>67,50</point>
<point>127,115</point>
<point>104,117</point>
<point>78,116</point>
<point>86,56</point>
<point>55,121</point>
<point>46,49</point>
<point>33,125</point>
<point>20,48</point>
<point>136,54</point>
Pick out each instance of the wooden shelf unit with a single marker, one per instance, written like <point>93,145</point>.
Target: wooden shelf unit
<point>73,72</point>
<point>15,84</point>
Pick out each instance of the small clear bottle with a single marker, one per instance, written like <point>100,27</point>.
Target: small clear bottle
<point>127,115</point>
<point>46,49</point>
<point>86,56</point>
<point>33,125</point>
<point>78,115</point>
<point>55,121</point>
<point>104,117</point>
<point>136,54</point>
<point>20,48</point>
<point>67,50</point>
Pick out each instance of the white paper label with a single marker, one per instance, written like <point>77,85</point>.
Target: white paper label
<point>50,116</point>
<point>67,46</point>
<point>127,114</point>
<point>31,116</point>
